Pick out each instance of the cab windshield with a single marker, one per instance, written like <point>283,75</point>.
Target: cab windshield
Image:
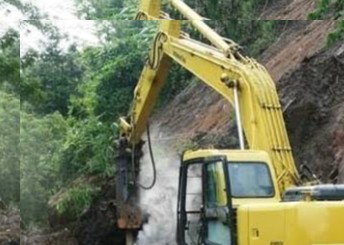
<point>250,180</point>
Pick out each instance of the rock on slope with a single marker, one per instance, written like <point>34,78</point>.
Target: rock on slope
<point>315,117</point>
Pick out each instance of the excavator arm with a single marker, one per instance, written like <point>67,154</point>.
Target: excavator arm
<point>242,81</point>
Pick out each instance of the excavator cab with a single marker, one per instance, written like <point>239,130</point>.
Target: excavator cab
<point>212,183</point>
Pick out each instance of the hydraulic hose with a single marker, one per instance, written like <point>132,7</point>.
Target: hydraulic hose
<point>153,162</point>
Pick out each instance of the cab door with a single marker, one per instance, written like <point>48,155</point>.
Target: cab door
<point>261,217</point>
<point>204,207</point>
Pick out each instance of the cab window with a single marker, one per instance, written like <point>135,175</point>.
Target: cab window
<point>250,180</point>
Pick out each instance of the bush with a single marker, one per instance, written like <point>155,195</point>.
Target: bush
<point>75,201</point>
<point>41,141</point>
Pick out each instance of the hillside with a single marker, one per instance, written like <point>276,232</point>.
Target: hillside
<point>288,10</point>
<point>314,94</point>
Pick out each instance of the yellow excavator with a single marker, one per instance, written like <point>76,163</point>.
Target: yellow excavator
<point>254,195</point>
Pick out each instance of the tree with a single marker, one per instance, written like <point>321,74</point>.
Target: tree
<point>9,61</point>
<point>9,148</point>
<point>41,144</point>
<point>50,80</point>
<point>107,9</point>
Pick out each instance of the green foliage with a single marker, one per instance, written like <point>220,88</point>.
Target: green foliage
<point>178,79</point>
<point>253,35</point>
<point>227,10</point>
<point>107,9</point>
<point>9,148</point>
<point>93,9</point>
<point>322,8</point>
<point>112,71</point>
<point>87,148</point>
<point>337,35</point>
<point>74,201</point>
<point>328,9</point>
<point>237,20</point>
<point>41,141</point>
<point>49,83</point>
<point>263,37</point>
<point>118,77</point>
<point>9,61</point>
<point>54,151</point>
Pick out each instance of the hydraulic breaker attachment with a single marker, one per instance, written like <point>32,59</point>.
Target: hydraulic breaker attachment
<point>127,169</point>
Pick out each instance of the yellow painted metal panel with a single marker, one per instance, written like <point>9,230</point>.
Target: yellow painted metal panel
<point>296,223</point>
<point>266,225</point>
<point>243,226</point>
<point>311,223</point>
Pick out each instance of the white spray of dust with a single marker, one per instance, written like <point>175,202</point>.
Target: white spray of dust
<point>160,203</point>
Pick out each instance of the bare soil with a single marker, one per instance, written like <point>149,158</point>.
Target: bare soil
<point>289,10</point>
<point>97,226</point>
<point>315,116</point>
<point>61,237</point>
<point>303,39</point>
<point>9,227</point>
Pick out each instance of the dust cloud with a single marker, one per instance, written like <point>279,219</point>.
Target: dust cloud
<point>160,203</point>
